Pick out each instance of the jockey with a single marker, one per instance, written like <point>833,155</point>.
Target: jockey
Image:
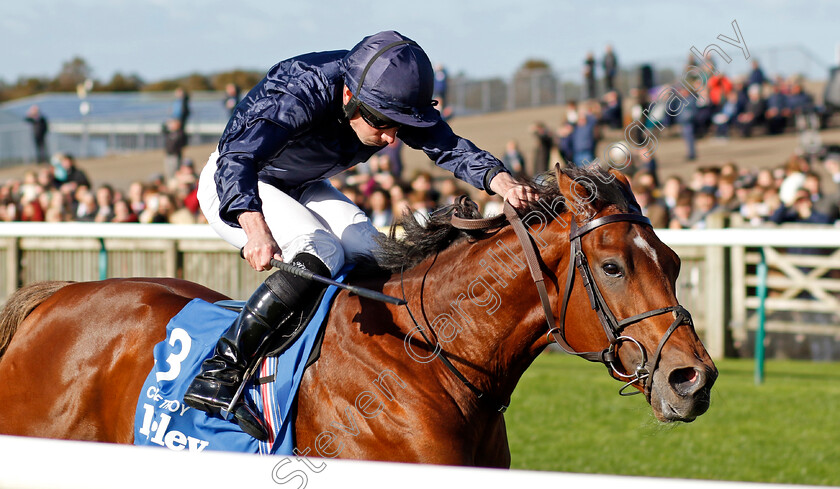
<point>266,191</point>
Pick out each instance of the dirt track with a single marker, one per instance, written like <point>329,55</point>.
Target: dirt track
<point>489,132</point>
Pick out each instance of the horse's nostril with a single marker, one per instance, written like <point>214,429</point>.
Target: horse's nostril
<point>686,381</point>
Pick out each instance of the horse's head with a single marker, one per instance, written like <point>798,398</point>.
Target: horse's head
<point>618,266</point>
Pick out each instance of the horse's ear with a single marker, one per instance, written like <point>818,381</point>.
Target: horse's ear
<point>576,194</point>
<point>620,177</point>
<point>627,190</point>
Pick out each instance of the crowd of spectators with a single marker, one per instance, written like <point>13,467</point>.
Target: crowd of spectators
<point>718,106</point>
<point>60,192</point>
<point>711,104</point>
<point>795,191</point>
<point>803,189</point>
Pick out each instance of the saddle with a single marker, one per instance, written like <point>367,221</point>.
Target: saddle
<point>271,381</point>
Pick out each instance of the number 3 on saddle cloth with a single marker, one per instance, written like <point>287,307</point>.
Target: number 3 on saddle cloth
<point>162,418</point>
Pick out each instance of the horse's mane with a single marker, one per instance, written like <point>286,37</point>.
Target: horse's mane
<point>423,239</point>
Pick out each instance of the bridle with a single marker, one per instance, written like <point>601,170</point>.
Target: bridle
<point>577,261</point>
<point>612,327</point>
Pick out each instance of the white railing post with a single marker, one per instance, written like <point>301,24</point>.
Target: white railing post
<point>717,290</point>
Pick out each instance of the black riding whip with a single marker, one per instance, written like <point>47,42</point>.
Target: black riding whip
<point>360,291</point>
<point>304,273</point>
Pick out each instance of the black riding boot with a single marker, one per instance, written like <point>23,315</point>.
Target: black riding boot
<point>265,314</point>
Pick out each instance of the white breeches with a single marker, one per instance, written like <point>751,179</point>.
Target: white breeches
<point>322,222</point>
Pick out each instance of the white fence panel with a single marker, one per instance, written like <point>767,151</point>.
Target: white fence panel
<point>32,463</point>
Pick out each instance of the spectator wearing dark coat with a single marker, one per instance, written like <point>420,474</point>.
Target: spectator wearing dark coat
<point>798,101</point>
<point>687,119</point>
<point>513,159</point>
<point>231,98</point>
<point>705,204</point>
<point>393,151</point>
<point>542,150</point>
<point>40,127</point>
<point>776,115</point>
<point>801,210</point>
<point>181,106</point>
<point>610,65</point>
<point>802,109</point>
<point>584,137</point>
<point>564,131</point>
<point>824,203</point>
<point>753,113</point>
<point>441,86</point>
<point>589,76</point>
<point>67,175</point>
<point>756,75</point>
<point>611,111</point>
<point>174,141</point>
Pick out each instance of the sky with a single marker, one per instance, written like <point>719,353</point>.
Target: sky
<point>159,39</point>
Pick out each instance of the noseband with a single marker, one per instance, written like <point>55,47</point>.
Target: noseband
<point>612,327</point>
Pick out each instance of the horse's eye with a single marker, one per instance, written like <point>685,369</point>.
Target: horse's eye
<point>611,269</point>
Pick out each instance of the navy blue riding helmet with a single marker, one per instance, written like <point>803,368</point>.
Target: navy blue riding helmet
<point>391,76</point>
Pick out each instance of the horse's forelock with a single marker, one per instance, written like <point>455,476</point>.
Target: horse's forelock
<point>607,189</point>
<point>423,239</point>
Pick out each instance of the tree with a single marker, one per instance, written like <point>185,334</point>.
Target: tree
<point>534,65</point>
<point>534,84</point>
<point>161,86</point>
<point>122,83</point>
<point>73,73</point>
<point>245,80</point>
<point>24,88</point>
<point>196,83</point>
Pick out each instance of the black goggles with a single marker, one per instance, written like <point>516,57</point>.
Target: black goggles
<point>376,120</point>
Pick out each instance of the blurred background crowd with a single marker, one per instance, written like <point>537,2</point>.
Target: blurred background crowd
<point>804,186</point>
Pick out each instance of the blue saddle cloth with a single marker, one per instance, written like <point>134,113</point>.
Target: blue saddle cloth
<point>162,419</point>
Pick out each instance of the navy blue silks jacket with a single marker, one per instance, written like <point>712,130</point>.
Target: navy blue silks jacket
<point>290,130</point>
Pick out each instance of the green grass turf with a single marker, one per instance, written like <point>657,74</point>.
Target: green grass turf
<point>566,415</point>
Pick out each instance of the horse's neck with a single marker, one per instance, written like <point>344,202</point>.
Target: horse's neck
<point>481,302</point>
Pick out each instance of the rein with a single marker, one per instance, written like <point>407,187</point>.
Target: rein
<point>495,404</point>
<point>613,327</point>
<point>467,225</point>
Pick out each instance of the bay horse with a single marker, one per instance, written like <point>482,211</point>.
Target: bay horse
<point>427,382</point>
